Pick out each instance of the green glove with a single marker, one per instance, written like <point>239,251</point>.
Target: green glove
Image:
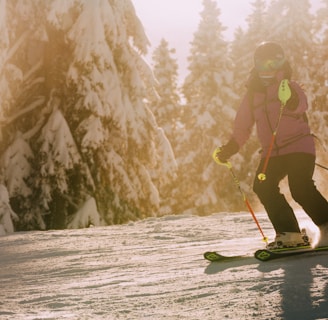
<point>284,92</point>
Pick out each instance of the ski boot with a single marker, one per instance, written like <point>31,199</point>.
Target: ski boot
<point>290,240</point>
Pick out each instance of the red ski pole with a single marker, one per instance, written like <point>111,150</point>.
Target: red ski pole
<point>235,179</point>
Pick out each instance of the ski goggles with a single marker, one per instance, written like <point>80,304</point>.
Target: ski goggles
<point>267,65</point>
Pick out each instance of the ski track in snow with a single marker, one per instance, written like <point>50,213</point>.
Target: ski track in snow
<point>154,269</point>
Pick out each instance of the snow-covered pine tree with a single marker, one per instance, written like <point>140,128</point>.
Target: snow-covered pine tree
<point>22,102</point>
<point>167,106</point>
<point>208,116</point>
<point>117,133</point>
<point>33,176</point>
<point>76,121</point>
<point>167,109</point>
<point>6,213</point>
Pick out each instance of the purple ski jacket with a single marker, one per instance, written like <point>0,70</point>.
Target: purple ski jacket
<point>262,107</point>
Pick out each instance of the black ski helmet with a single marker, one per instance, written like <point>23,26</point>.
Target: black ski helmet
<point>268,56</point>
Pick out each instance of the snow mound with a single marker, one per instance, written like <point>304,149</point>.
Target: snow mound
<point>86,216</point>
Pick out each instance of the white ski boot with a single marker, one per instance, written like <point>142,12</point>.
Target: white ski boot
<point>290,240</point>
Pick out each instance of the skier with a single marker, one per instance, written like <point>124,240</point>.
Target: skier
<point>291,155</point>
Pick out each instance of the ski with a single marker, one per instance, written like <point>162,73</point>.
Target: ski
<point>213,256</point>
<point>266,255</point>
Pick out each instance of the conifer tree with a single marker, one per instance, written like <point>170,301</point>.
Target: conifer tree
<point>166,107</point>
<point>24,100</point>
<point>209,107</point>
<point>76,125</point>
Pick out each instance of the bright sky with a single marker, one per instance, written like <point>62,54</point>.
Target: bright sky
<point>177,20</point>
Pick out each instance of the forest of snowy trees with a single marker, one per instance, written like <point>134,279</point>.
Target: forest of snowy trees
<point>93,135</point>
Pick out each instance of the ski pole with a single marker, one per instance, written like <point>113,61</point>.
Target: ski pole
<point>235,179</point>
<point>284,95</point>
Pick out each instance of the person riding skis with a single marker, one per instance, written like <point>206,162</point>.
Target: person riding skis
<point>288,148</point>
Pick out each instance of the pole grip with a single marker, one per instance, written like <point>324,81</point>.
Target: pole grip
<point>218,161</point>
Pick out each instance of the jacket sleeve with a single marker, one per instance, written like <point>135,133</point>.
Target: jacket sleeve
<point>244,122</point>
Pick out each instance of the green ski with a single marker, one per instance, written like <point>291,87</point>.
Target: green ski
<point>265,254</point>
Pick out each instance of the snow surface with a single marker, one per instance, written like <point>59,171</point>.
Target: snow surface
<point>154,269</point>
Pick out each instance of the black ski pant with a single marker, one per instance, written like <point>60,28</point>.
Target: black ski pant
<point>298,168</point>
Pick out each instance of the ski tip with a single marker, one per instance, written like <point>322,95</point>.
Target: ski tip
<point>213,256</point>
<point>263,254</point>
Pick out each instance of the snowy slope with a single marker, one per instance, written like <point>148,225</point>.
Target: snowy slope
<point>153,269</point>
